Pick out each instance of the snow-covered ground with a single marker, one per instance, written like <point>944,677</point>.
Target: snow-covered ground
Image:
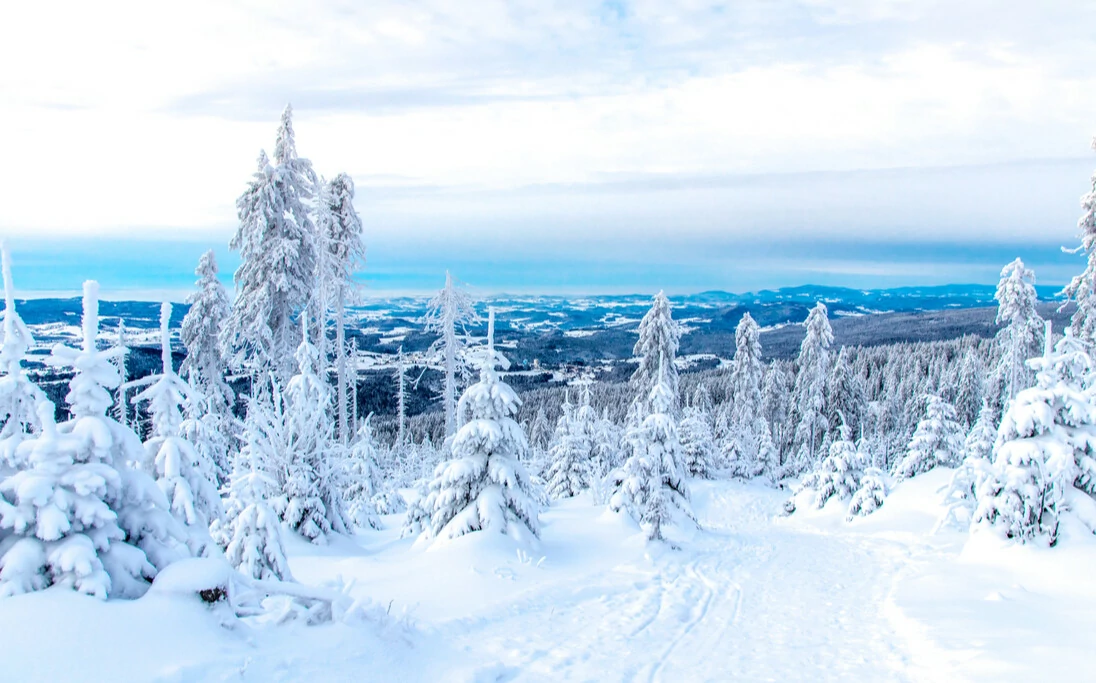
<point>753,596</point>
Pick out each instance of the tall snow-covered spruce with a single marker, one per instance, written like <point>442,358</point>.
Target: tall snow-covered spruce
<point>1020,336</point>
<point>570,468</point>
<point>184,474</point>
<point>1082,288</point>
<point>18,395</point>
<point>656,348</point>
<point>809,399</point>
<point>448,315</point>
<point>1044,455</point>
<point>204,365</point>
<point>651,483</point>
<point>79,516</point>
<point>277,275</point>
<point>484,487</point>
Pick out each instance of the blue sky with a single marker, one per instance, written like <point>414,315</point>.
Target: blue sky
<point>548,146</point>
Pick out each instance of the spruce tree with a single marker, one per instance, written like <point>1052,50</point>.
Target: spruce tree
<point>448,315</point>
<point>186,476</point>
<point>697,443</point>
<point>204,364</point>
<point>809,399</point>
<point>277,242</point>
<point>570,468</point>
<point>1020,336</point>
<point>657,345</point>
<point>19,396</point>
<point>1045,447</point>
<point>651,484</point>
<point>937,442</point>
<point>1082,289</point>
<point>78,515</point>
<point>484,487</point>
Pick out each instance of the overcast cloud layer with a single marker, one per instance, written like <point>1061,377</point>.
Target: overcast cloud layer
<point>527,130</point>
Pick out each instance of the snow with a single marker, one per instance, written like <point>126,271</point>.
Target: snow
<point>752,596</point>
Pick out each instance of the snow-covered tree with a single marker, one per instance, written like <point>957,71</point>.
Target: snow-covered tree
<point>871,494</point>
<point>1020,337</point>
<point>981,437</point>
<point>809,399</point>
<point>746,369</point>
<point>121,351</point>
<point>250,533</point>
<point>838,474</point>
<point>341,230</point>
<point>845,399</point>
<point>657,345</point>
<point>651,484</point>
<point>938,441</point>
<point>969,390</point>
<point>311,502</point>
<point>1045,448</point>
<point>401,400</point>
<point>484,487</point>
<point>78,515</point>
<point>18,395</point>
<point>363,478</point>
<point>570,459</point>
<point>204,365</point>
<point>1082,288</point>
<point>448,315</point>
<point>277,243</point>
<point>697,443</point>
<point>185,476</point>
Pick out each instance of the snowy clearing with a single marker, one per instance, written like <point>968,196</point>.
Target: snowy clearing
<point>754,596</point>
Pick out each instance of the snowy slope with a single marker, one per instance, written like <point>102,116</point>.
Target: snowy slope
<point>754,596</point>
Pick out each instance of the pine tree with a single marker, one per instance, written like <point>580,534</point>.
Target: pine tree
<point>1020,337</point>
<point>980,439</point>
<point>449,310</point>
<point>657,344</point>
<point>18,395</point>
<point>483,487</point>
<point>741,438</point>
<point>184,476</point>
<point>1045,447</point>
<point>571,455</point>
<point>250,534</point>
<point>871,494</point>
<point>401,400</point>
<point>121,352</point>
<point>651,483</point>
<point>78,516</point>
<point>204,364</point>
<point>311,503</point>
<point>277,243</point>
<point>838,475</point>
<point>774,408</point>
<point>938,441</point>
<point>697,443</point>
<point>969,388</point>
<point>845,399</point>
<point>341,229</point>
<point>1082,289</point>
<point>809,400</point>
<point>363,478</point>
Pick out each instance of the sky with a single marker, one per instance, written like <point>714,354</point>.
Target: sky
<point>559,146</point>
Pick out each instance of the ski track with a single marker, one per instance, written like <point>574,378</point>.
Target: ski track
<point>745,600</point>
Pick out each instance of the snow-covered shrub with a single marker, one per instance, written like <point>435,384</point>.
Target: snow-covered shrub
<point>79,516</point>
<point>937,442</point>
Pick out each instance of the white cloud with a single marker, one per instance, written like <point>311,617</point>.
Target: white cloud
<point>146,116</point>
